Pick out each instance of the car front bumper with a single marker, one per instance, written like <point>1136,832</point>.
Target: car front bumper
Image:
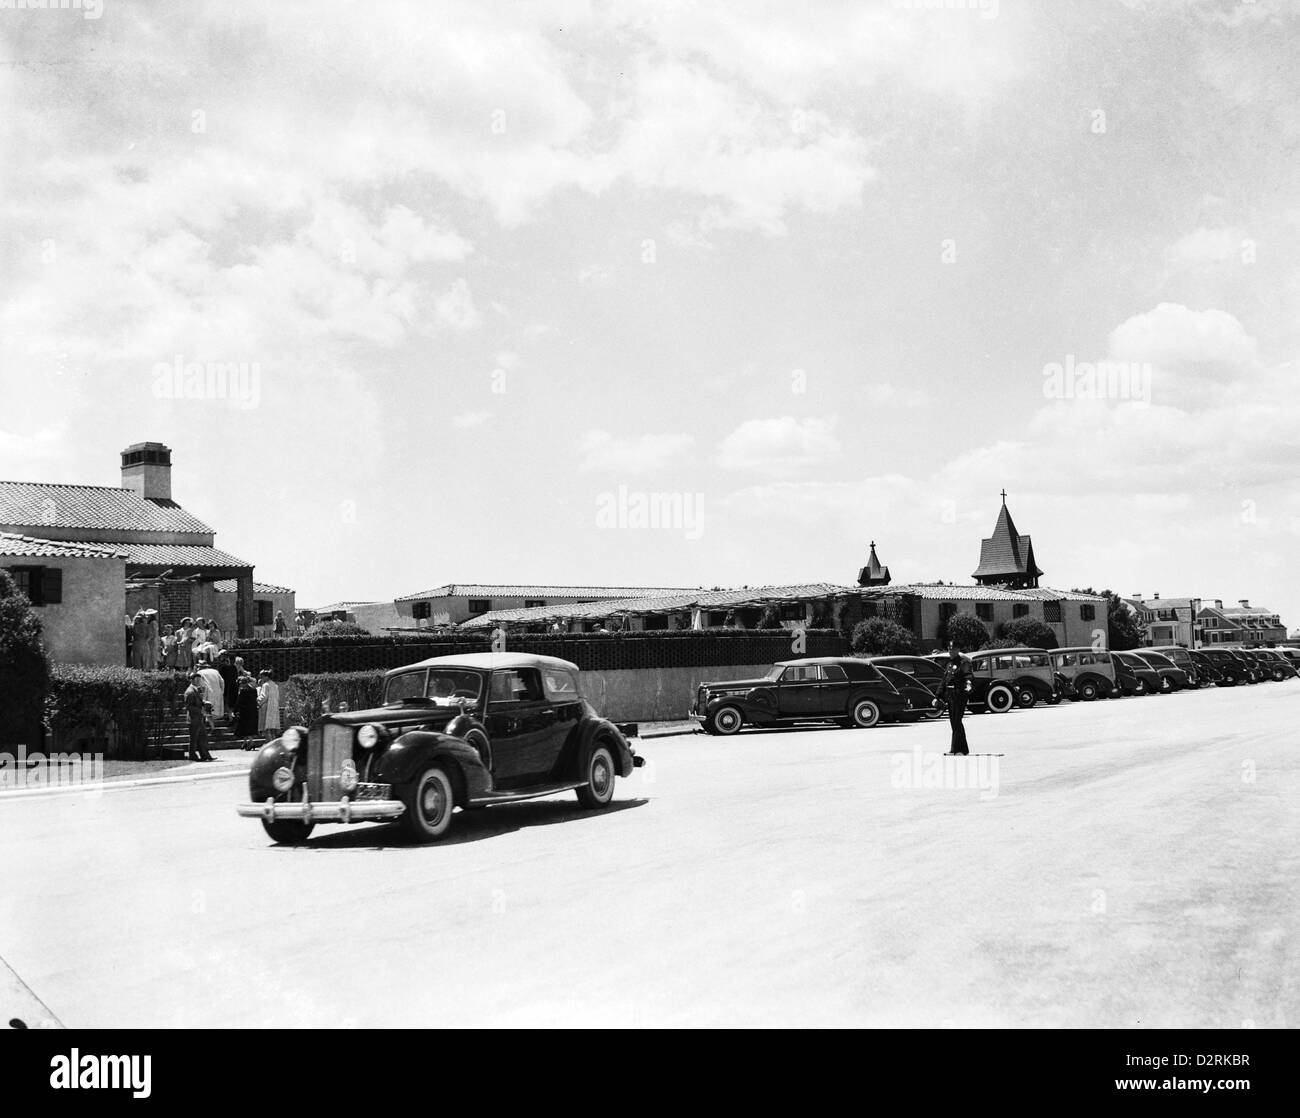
<point>340,811</point>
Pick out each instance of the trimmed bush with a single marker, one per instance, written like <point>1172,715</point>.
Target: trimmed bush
<point>1028,631</point>
<point>24,668</point>
<point>965,631</point>
<point>304,696</point>
<point>878,636</point>
<point>123,708</point>
<point>335,629</point>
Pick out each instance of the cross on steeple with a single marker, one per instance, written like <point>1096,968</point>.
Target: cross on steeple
<point>1004,497</point>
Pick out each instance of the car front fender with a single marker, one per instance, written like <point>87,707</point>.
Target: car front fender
<point>411,752</point>
<point>273,755</point>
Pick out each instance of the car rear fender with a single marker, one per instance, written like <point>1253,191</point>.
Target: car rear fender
<point>584,738</point>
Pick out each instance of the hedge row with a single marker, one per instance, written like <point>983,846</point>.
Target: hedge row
<point>590,651</point>
<point>305,697</point>
<point>118,710</point>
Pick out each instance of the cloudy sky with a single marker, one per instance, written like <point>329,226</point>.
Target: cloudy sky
<point>820,273</point>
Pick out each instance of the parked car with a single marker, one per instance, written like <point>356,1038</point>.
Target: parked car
<point>1090,672</point>
<point>1004,677</point>
<point>1253,672</point>
<point>919,696</point>
<point>1232,671</point>
<point>467,731</point>
<point>927,670</point>
<point>1134,675</point>
<point>1181,657</point>
<point>1277,665</point>
<point>840,689</point>
<point>1172,677</point>
<point>1207,671</point>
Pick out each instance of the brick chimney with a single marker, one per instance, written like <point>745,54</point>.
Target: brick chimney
<point>147,469</point>
<point>1156,596</point>
<point>1244,603</point>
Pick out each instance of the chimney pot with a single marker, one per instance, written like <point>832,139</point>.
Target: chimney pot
<point>1245,603</point>
<point>1156,595</point>
<point>147,470</point>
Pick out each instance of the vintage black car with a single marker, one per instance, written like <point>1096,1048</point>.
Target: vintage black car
<point>913,690</point>
<point>838,689</point>
<point>464,732</point>
<point>1134,675</point>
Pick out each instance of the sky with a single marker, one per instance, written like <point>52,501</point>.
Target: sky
<point>667,294</point>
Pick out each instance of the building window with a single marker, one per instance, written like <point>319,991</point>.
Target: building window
<point>532,603</point>
<point>1087,613</point>
<point>1020,609</point>
<point>422,610</point>
<point>655,621</point>
<point>984,611</point>
<point>480,605</point>
<point>1052,613</point>
<point>43,586</point>
<point>265,614</point>
<point>792,611</point>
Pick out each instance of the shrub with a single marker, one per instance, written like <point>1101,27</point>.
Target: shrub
<point>1002,642</point>
<point>122,707</point>
<point>965,631</point>
<point>879,636</point>
<point>24,668</point>
<point>304,695</point>
<point>1028,631</point>
<point>336,629</point>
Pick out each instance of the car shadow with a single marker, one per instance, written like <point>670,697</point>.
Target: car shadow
<point>467,826</point>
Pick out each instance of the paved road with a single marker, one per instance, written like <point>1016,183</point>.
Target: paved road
<point>1137,866</point>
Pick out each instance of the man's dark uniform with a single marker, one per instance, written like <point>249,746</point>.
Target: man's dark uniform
<point>195,697</point>
<point>956,682</point>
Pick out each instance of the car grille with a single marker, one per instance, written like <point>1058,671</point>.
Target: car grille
<point>328,746</point>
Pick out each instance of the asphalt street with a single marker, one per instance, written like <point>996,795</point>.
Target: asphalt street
<point>1127,863</point>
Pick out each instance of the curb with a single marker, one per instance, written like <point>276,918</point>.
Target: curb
<point>96,790</point>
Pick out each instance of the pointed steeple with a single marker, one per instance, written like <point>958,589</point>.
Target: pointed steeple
<point>1007,557</point>
<point>873,574</point>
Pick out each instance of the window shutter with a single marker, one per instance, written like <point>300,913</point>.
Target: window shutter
<point>51,585</point>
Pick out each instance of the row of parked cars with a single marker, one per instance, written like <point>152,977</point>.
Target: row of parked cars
<point>865,692</point>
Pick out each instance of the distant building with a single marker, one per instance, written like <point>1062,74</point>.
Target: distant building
<point>76,589</point>
<point>924,609</point>
<point>458,602</point>
<point>873,574</point>
<point>1240,624</point>
<point>1168,620</point>
<point>1006,557</point>
<point>374,617</point>
<point>171,561</point>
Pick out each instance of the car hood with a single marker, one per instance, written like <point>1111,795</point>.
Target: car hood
<point>720,684</point>
<point>399,713</point>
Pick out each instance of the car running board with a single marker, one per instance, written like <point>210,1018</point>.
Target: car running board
<point>525,794</point>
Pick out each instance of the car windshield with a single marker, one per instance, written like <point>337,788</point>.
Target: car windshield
<point>774,673</point>
<point>454,685</point>
<point>406,685</point>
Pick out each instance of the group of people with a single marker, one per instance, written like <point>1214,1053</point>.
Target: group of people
<point>177,648</point>
<point>225,691</point>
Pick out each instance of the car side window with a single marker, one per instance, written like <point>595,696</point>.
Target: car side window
<point>801,673</point>
<point>520,686</point>
<point>560,685</point>
<point>834,673</point>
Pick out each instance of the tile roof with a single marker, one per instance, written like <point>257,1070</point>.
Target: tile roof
<point>1006,552</point>
<point>948,592</point>
<point>1051,594</point>
<point>491,590</point>
<point>30,547</point>
<point>42,504</point>
<point>178,555</point>
<point>662,603</point>
<point>228,586</point>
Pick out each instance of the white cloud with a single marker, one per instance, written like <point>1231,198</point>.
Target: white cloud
<point>779,446</point>
<point>455,308</point>
<point>1205,246</point>
<point>1172,335</point>
<point>468,419</point>
<point>634,455</point>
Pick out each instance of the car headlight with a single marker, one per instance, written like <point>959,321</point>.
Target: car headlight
<point>282,779</point>
<point>368,736</point>
<point>348,778</point>
<point>293,737</point>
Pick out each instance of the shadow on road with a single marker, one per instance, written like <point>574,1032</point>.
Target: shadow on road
<point>468,826</point>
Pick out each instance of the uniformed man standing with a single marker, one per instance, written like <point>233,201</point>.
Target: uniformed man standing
<point>956,686</point>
